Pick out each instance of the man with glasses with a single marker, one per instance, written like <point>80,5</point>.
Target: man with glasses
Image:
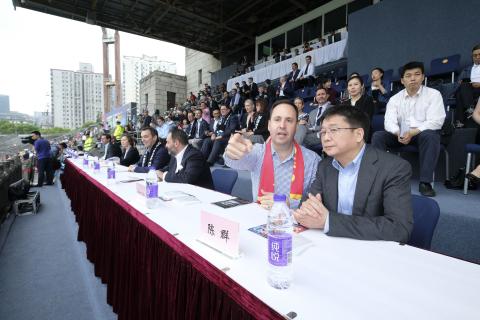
<point>359,192</point>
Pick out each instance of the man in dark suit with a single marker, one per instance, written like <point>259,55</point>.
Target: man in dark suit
<point>252,89</point>
<point>293,76</point>
<point>198,130</point>
<point>285,89</point>
<point>312,135</point>
<point>155,155</point>
<point>187,164</point>
<point>359,192</point>
<point>111,148</point>
<point>214,146</point>
<point>469,89</point>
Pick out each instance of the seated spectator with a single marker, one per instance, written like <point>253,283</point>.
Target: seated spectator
<point>271,91</point>
<point>111,149</point>
<point>359,192</point>
<point>474,176</point>
<point>321,42</point>
<point>469,89</point>
<point>252,92</point>
<point>302,128</point>
<point>187,164</point>
<point>214,146</point>
<point>284,89</point>
<point>414,116</point>
<point>214,123</point>
<point>274,163</point>
<point>225,99</point>
<point>155,155</point>
<point>235,101</point>
<point>244,90</point>
<point>246,120</point>
<point>332,93</point>
<point>262,93</point>
<point>307,47</point>
<point>205,111</point>
<point>130,153</point>
<point>307,74</point>
<point>162,128</point>
<point>257,130</point>
<point>198,130</point>
<point>190,119</point>
<point>312,137</point>
<point>358,99</point>
<point>378,90</point>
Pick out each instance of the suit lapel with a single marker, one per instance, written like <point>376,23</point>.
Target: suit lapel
<point>366,176</point>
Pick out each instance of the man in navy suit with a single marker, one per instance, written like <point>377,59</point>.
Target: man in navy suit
<point>214,146</point>
<point>293,76</point>
<point>187,164</point>
<point>198,130</point>
<point>469,89</point>
<point>155,155</point>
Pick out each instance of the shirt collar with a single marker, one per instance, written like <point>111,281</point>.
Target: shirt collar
<point>286,159</point>
<point>354,164</point>
<point>419,93</point>
<point>179,156</point>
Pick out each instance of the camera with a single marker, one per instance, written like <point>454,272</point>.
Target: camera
<point>27,139</point>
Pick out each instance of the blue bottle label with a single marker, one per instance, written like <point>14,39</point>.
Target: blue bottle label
<point>110,173</point>
<point>279,249</point>
<point>85,162</point>
<point>151,190</point>
<point>96,165</point>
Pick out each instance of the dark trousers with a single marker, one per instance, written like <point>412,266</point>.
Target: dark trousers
<point>44,166</point>
<point>427,142</point>
<point>211,149</point>
<point>466,96</point>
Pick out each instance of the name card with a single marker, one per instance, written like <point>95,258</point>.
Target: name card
<point>141,188</point>
<point>220,234</point>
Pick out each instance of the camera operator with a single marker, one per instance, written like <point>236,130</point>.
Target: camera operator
<point>44,163</point>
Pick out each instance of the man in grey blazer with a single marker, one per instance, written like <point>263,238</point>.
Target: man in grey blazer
<point>359,192</point>
<point>312,136</point>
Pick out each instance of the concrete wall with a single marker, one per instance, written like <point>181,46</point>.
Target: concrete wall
<point>194,61</point>
<point>156,85</point>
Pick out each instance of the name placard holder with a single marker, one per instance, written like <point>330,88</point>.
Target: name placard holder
<point>220,234</point>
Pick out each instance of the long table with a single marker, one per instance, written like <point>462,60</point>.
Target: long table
<point>155,268</point>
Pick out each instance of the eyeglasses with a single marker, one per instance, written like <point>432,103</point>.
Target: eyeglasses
<point>333,131</point>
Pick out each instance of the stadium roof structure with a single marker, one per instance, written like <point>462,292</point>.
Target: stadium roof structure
<point>217,27</point>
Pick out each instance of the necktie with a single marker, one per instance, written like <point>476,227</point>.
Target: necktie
<point>319,115</point>
<point>306,69</point>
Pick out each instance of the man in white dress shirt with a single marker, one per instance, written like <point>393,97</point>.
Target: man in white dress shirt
<point>414,116</point>
<point>307,74</point>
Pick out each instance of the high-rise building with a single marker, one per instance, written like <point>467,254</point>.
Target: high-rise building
<point>76,96</point>
<point>136,68</point>
<point>4,104</point>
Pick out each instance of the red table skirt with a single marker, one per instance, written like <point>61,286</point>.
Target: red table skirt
<point>149,273</point>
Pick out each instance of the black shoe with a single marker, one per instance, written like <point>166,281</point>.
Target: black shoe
<point>473,178</point>
<point>426,189</point>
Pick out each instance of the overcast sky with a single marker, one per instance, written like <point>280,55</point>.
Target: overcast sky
<point>32,43</point>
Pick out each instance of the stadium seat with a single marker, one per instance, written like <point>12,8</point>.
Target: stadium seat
<point>378,123</point>
<point>471,150</point>
<point>425,217</point>
<point>443,65</point>
<point>224,180</point>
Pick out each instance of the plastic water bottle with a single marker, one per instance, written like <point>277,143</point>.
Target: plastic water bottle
<point>280,229</point>
<point>85,161</point>
<point>151,191</point>
<point>111,172</point>
<point>96,165</point>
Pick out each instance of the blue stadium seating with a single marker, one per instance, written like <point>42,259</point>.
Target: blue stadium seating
<point>224,180</point>
<point>425,217</point>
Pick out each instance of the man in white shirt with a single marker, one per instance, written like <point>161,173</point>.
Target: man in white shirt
<point>414,116</point>
<point>187,164</point>
<point>307,74</point>
<point>469,90</point>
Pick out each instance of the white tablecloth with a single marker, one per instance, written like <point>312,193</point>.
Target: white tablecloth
<point>334,278</point>
<point>332,52</point>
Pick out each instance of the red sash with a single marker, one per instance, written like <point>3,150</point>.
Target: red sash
<point>267,176</point>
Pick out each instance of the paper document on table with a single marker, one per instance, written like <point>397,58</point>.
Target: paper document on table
<point>121,168</point>
<point>179,197</point>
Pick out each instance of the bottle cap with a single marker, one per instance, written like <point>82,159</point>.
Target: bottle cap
<point>279,198</point>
